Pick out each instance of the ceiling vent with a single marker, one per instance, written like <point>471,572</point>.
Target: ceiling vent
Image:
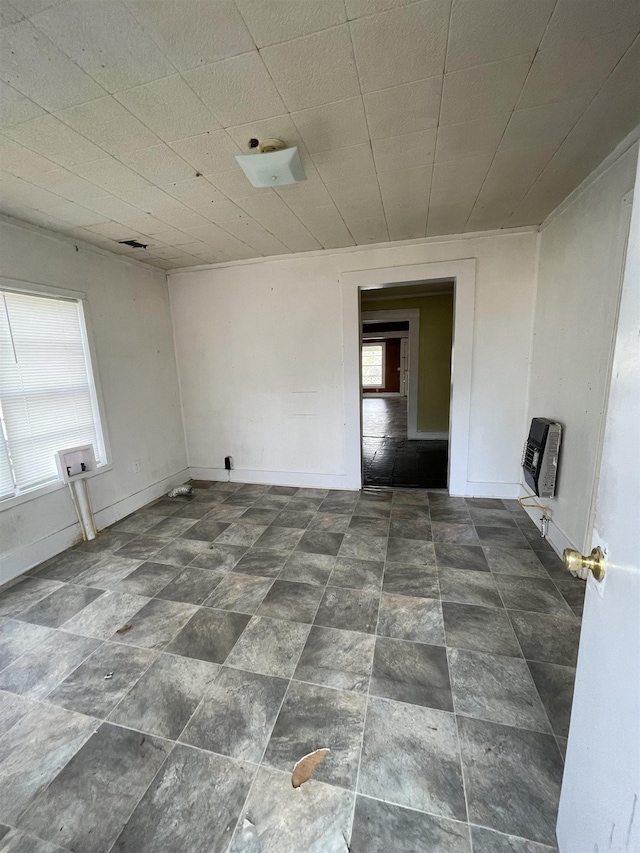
<point>133,243</point>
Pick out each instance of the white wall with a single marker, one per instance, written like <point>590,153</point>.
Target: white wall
<point>260,359</point>
<point>128,312</point>
<point>580,266</point>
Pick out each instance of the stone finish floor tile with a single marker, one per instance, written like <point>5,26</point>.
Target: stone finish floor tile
<point>411,672</point>
<point>278,818</point>
<point>88,803</point>
<point>88,691</point>
<point>166,696</point>
<point>255,625</point>
<point>237,714</point>
<point>496,688</point>
<point>311,717</point>
<point>382,826</point>
<point>512,779</point>
<point>334,658</point>
<point>198,814</point>
<point>269,646</point>
<point>427,776</point>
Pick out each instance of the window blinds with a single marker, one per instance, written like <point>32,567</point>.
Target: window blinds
<point>47,396</point>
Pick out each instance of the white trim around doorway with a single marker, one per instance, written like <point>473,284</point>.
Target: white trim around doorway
<point>463,273</point>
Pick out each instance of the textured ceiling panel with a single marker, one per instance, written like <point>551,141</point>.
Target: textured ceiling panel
<point>121,118</point>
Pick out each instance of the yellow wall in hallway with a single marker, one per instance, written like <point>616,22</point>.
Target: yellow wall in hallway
<point>434,376</point>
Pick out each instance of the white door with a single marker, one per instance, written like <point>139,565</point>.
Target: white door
<point>599,808</point>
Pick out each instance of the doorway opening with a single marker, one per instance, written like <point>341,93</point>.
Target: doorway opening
<point>405,352</point>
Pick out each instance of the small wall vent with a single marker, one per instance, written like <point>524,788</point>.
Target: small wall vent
<point>133,243</point>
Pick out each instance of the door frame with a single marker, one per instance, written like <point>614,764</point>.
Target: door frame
<point>463,274</point>
<point>412,315</point>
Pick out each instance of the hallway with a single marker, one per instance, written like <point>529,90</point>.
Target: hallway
<point>389,458</point>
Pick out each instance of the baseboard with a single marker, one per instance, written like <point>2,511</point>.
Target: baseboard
<point>510,491</point>
<point>23,559</point>
<point>368,395</point>
<point>427,436</point>
<point>275,478</point>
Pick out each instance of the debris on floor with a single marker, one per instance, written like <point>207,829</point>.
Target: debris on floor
<point>181,491</point>
<point>124,629</point>
<point>303,769</point>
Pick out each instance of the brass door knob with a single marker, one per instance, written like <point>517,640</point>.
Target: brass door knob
<point>577,563</point>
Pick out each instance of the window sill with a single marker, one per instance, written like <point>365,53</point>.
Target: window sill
<point>41,491</point>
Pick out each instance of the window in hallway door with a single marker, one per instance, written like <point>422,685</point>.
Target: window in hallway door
<point>373,358</point>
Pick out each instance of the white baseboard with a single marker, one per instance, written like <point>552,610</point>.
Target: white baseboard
<point>275,478</point>
<point>22,559</point>
<point>427,436</point>
<point>490,490</point>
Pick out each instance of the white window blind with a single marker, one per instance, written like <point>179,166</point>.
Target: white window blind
<point>47,394</point>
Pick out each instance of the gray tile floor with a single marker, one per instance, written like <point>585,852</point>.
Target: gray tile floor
<point>158,684</point>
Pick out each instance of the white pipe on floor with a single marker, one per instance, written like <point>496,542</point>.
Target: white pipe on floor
<point>80,497</point>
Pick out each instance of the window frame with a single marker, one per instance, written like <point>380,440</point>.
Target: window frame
<point>35,289</point>
<point>383,346</point>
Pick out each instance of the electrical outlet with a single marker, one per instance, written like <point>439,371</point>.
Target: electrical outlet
<point>136,466</point>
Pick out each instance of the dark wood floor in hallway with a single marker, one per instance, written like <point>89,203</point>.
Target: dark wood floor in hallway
<point>389,458</point>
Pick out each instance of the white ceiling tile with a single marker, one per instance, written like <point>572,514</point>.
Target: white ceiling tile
<point>313,70</point>
<point>170,108</point>
<point>257,237</point>
<point>305,195</point>
<point>237,90</point>
<point>113,208</point>
<point>406,185</point>
<point>32,7</point>
<point>401,45</point>
<point>9,14</point>
<point>366,226</point>
<point>50,137</point>
<point>15,108</point>
<point>109,125</point>
<point>327,226</point>
<point>209,153</point>
<point>581,20</point>
<point>194,192</point>
<point>404,109</point>
<point>277,127</point>
<point>106,41</point>
<point>235,185</point>
<point>112,176</point>
<point>471,138</point>
<point>182,219</point>
<point>20,161</point>
<point>274,215</point>
<point>461,176</point>
<point>158,164</point>
<point>345,164</point>
<point>146,224</point>
<point>490,30</point>
<point>483,91</point>
<point>361,193</point>
<point>67,185</point>
<point>448,211</point>
<point>113,230</point>
<point>75,213</point>
<point>152,200</point>
<point>33,65</point>
<point>576,70</point>
<point>546,125</point>
<point>196,32</point>
<point>224,242</point>
<point>173,237</point>
<point>21,192</point>
<point>406,220</point>
<point>361,8</point>
<point>333,125</point>
<point>289,19</point>
<point>403,152</point>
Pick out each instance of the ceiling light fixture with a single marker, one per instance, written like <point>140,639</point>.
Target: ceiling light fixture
<point>273,164</point>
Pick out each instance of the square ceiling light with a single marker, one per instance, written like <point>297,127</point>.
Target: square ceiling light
<point>273,168</point>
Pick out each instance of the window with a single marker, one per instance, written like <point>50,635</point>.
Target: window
<point>47,394</point>
<point>373,356</point>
